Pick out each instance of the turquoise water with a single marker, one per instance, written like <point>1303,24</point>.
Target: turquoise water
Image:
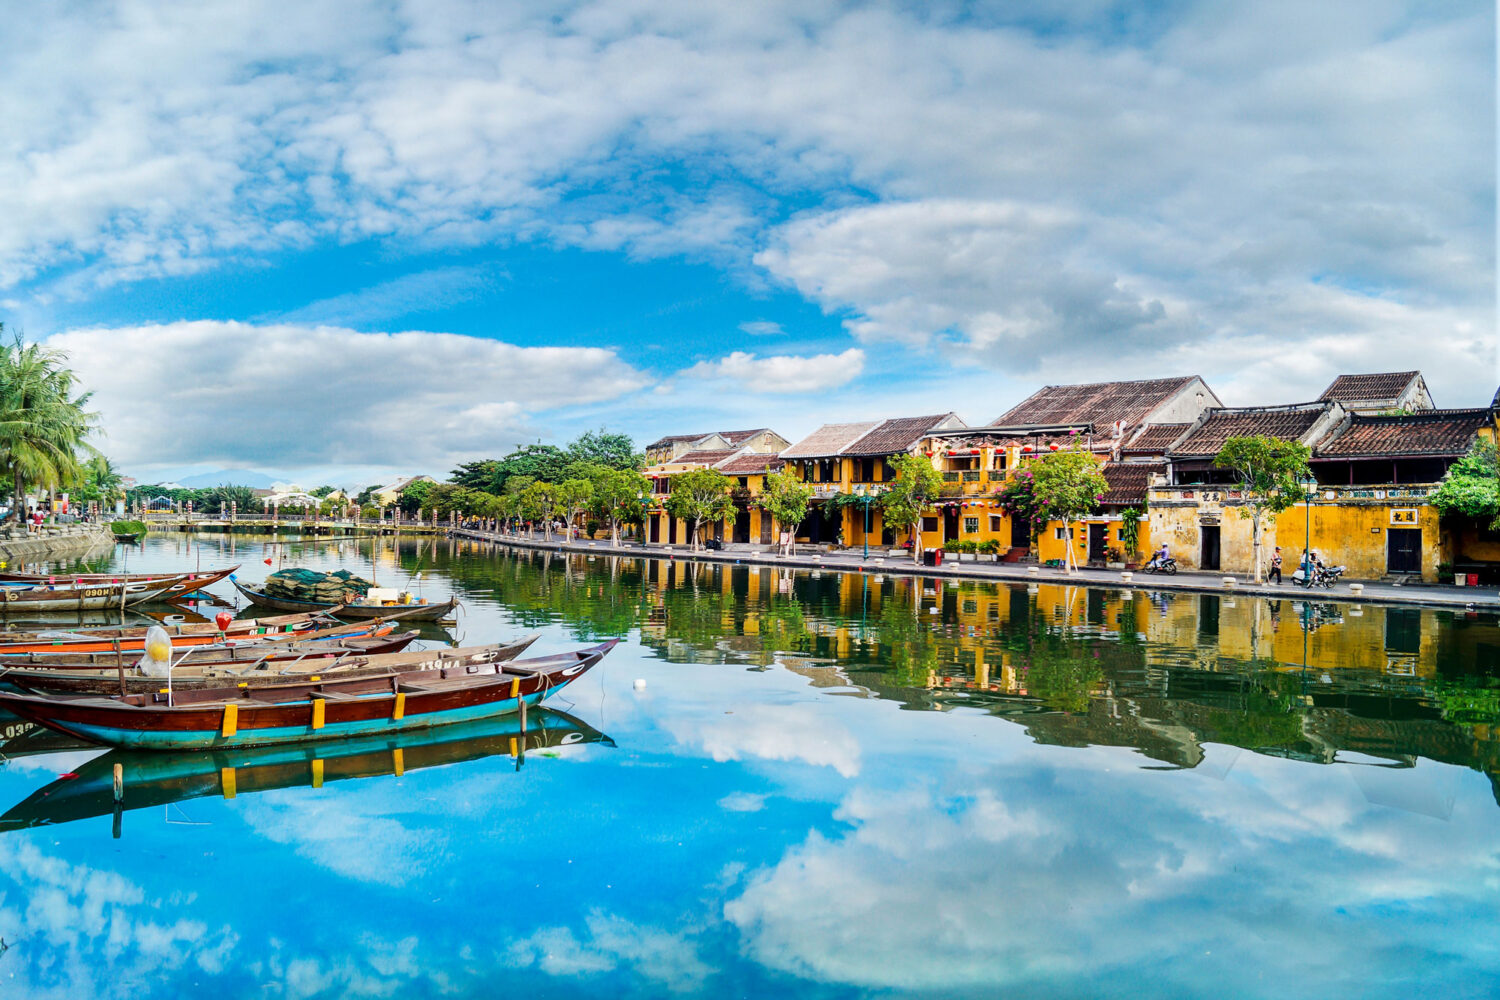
<point>806,784</point>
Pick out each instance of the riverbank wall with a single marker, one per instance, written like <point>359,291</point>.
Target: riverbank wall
<point>1456,598</point>
<point>55,543</point>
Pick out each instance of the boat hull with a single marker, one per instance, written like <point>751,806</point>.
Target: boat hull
<point>410,612</point>
<point>413,701</point>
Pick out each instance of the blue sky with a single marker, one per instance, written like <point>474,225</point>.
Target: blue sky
<point>353,240</point>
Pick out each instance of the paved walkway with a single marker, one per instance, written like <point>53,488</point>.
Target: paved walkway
<point>1461,598</point>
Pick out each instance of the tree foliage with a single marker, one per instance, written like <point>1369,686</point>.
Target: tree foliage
<point>701,496</point>
<point>904,501</point>
<point>617,498</point>
<point>786,498</point>
<point>1472,486</point>
<point>612,451</point>
<point>1269,471</point>
<point>1067,485</point>
<point>44,419</point>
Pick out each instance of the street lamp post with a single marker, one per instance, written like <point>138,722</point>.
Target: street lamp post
<point>1309,486</point>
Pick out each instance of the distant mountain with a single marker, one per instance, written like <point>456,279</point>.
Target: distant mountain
<point>228,477</point>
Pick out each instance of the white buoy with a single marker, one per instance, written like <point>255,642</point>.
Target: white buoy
<point>640,684</point>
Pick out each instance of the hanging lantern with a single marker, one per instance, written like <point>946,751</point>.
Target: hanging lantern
<point>1026,447</point>
<point>1053,446</point>
<point>973,451</point>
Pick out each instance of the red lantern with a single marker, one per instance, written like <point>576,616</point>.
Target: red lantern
<point>1053,446</point>
<point>1025,447</point>
<point>222,619</point>
<point>973,451</point>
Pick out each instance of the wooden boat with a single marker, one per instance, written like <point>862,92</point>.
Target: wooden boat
<point>60,643</point>
<point>177,630</point>
<point>67,597</point>
<point>155,779</point>
<point>132,639</point>
<point>194,581</point>
<point>423,612</point>
<point>454,691</point>
<point>359,637</point>
<point>358,658</point>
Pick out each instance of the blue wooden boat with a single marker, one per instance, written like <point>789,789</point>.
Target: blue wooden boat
<point>453,690</point>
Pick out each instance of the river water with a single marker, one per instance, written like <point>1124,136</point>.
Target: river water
<point>806,784</point>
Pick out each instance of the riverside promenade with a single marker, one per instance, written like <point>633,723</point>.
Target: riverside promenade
<point>879,561</point>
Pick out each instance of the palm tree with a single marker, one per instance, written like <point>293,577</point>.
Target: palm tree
<point>44,422</point>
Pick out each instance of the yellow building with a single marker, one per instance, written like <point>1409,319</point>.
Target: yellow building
<point>747,456</point>
<point>1370,510</point>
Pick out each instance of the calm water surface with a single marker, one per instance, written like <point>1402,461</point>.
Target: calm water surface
<point>827,786</point>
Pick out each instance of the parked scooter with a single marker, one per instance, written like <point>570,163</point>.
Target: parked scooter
<point>1322,576</point>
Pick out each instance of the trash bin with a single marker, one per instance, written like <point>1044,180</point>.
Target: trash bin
<point>1473,579</point>
<point>932,557</point>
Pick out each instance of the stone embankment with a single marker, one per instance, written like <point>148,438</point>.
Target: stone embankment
<point>1459,598</point>
<point>53,543</point>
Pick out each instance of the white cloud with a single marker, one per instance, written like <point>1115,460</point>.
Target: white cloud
<point>773,732</point>
<point>782,373</point>
<point>668,958</point>
<point>296,396</point>
<point>1041,175</point>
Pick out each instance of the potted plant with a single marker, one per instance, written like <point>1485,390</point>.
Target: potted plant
<point>991,548</point>
<point>1114,558</point>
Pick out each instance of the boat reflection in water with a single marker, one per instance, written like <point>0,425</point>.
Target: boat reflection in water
<point>154,779</point>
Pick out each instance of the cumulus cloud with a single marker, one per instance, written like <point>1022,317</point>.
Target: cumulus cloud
<point>773,732</point>
<point>782,373</point>
<point>290,396</point>
<point>1027,178</point>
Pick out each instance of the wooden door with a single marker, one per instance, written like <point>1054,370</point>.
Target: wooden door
<point>1403,550</point>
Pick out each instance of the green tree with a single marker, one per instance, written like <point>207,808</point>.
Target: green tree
<point>1068,485</point>
<point>481,475</point>
<point>573,497</point>
<point>322,491</point>
<point>1269,469</point>
<point>613,451</point>
<point>100,483</point>
<point>416,496</point>
<point>44,420</point>
<point>786,499</point>
<point>904,501</point>
<point>701,496</point>
<point>542,462</point>
<point>1472,486</point>
<point>538,502</point>
<point>617,497</point>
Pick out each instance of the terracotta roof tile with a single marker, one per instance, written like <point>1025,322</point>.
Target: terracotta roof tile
<point>737,437</point>
<point>1433,432</point>
<point>706,456</point>
<point>1376,385</point>
<point>828,440</point>
<point>894,436</point>
<point>751,463</point>
<point>1099,403</point>
<point>1155,439</point>
<point>1218,425</point>
<point>1128,481</point>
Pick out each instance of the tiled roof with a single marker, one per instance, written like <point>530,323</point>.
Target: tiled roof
<point>893,436</point>
<point>751,462</point>
<point>672,439</point>
<point>1155,439</point>
<point>737,437</point>
<point>1128,481</point>
<point>1099,403</point>
<point>1377,385</point>
<point>1433,432</point>
<point>1218,425</point>
<point>705,456</point>
<point>828,440</point>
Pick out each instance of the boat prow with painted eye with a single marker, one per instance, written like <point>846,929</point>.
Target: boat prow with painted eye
<point>450,691</point>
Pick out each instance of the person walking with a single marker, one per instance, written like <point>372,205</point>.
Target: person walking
<point>1275,573</point>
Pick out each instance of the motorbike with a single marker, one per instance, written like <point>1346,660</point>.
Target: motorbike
<point>1167,566</point>
<point>1322,576</point>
